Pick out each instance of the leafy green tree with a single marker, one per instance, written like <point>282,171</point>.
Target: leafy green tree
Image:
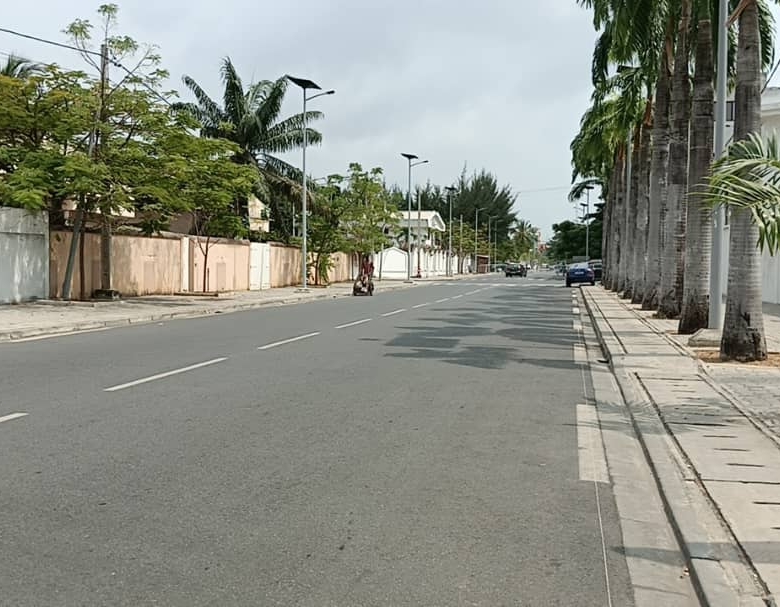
<point>371,216</point>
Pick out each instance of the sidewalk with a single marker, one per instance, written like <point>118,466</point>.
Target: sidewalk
<point>711,434</point>
<point>56,317</point>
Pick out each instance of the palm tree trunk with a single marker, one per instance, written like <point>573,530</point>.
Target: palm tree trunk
<point>627,238</point>
<point>743,330</point>
<point>640,234</point>
<point>695,306</point>
<point>618,219</point>
<point>659,166</point>
<point>605,228</point>
<point>674,246</point>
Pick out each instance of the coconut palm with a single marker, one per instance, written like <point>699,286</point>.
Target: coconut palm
<point>743,330</point>
<point>698,243</point>
<point>19,67</point>
<point>250,118</point>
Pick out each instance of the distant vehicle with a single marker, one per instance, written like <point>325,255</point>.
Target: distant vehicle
<point>579,273</point>
<point>515,269</point>
<point>597,266</point>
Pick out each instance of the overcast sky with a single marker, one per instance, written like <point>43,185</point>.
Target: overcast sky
<point>499,84</point>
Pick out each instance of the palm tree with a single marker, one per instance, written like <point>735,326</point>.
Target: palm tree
<point>670,296</point>
<point>250,118</point>
<point>698,243</point>
<point>743,330</point>
<point>19,67</point>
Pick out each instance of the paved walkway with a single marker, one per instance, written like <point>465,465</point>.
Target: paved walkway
<point>712,435</point>
<point>43,318</point>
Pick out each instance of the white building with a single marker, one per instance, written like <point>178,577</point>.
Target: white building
<point>770,124</point>
<point>429,248</point>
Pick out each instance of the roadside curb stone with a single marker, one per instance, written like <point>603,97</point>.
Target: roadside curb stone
<point>719,563</point>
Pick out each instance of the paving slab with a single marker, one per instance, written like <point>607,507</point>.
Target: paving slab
<point>716,440</point>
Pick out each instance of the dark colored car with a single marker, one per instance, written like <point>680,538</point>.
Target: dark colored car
<point>597,266</point>
<point>579,273</point>
<point>514,269</point>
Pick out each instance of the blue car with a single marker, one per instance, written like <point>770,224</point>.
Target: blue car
<point>579,273</point>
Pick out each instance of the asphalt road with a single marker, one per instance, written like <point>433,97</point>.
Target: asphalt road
<point>425,455</point>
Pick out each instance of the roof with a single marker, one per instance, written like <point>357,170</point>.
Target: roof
<point>428,219</point>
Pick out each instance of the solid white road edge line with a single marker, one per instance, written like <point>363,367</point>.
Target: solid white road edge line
<point>145,380</point>
<point>592,460</point>
<point>352,324</point>
<point>288,341</point>
<point>10,416</point>
<point>398,311</point>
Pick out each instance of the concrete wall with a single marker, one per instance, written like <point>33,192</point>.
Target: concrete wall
<point>285,266</point>
<point>140,266</point>
<point>24,255</point>
<point>228,265</point>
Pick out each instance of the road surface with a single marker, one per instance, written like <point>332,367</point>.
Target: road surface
<point>416,448</point>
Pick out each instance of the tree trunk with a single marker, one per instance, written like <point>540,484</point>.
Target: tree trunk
<point>674,245</point>
<point>659,166</point>
<point>625,218</point>
<point>628,239</point>
<point>743,329</point>
<point>618,215</point>
<point>698,244</point>
<point>606,226</point>
<point>640,234</point>
<point>105,252</point>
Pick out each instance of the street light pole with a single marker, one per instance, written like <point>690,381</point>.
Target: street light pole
<point>305,85</point>
<point>716,311</point>
<point>450,190</point>
<point>409,158</point>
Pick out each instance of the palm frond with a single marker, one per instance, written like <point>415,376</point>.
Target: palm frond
<point>748,178</point>
<point>234,99</point>
<point>210,111</point>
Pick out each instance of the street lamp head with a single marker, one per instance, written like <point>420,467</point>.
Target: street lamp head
<point>302,82</point>
<point>409,156</point>
<point>450,188</point>
<point>330,92</point>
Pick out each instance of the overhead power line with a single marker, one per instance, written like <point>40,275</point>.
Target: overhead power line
<point>51,42</point>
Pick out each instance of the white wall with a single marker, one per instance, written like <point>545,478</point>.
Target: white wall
<point>24,255</point>
<point>770,284</point>
<point>393,264</point>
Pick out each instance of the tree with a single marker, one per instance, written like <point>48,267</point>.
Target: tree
<point>120,122</point>
<point>251,118</point>
<point>672,269</point>
<point>325,229</point>
<point>743,330</point>
<point>19,67</point>
<point>369,215</point>
<point>698,244</point>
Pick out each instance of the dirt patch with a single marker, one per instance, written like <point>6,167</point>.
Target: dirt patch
<point>713,356</point>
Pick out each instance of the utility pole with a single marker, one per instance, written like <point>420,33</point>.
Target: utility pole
<point>93,153</point>
<point>717,310</point>
<point>105,215</point>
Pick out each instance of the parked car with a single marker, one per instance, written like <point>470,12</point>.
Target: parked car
<point>597,266</point>
<point>579,273</point>
<point>515,269</point>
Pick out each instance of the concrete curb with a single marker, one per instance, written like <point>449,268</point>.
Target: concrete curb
<point>198,312</point>
<point>719,569</point>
